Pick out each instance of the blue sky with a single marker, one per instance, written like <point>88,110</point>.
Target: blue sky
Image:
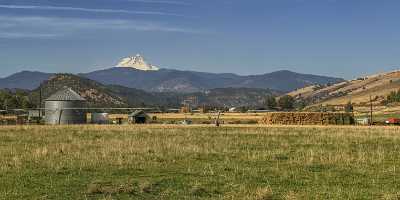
<point>343,38</point>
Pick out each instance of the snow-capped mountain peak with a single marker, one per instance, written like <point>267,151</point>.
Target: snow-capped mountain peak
<point>137,62</point>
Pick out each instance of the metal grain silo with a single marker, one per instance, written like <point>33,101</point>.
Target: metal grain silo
<point>65,107</point>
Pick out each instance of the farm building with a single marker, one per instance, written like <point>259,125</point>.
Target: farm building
<point>363,121</point>
<point>65,107</point>
<point>34,115</point>
<point>138,117</point>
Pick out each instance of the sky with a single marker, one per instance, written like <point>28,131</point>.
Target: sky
<point>342,38</point>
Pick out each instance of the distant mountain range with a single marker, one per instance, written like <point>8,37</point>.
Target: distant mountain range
<point>99,95</point>
<point>136,72</point>
<point>167,80</point>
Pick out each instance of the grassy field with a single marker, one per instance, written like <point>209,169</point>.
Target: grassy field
<point>199,162</point>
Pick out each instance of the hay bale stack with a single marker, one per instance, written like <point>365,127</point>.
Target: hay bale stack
<point>307,118</point>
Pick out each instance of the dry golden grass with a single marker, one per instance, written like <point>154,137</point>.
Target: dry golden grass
<point>8,117</point>
<point>199,162</point>
<point>209,115</point>
<point>199,118</point>
<point>197,115</point>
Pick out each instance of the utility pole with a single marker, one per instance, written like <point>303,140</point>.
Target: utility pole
<point>6,105</point>
<point>371,110</point>
<point>40,101</point>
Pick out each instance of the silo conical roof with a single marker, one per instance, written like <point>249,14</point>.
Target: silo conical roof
<point>66,95</point>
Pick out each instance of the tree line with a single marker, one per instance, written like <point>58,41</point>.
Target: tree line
<point>14,100</point>
<point>393,97</point>
<point>285,102</point>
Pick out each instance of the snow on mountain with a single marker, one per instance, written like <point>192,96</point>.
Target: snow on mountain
<point>137,62</point>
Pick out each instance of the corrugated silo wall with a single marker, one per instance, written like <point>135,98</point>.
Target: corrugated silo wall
<point>56,113</point>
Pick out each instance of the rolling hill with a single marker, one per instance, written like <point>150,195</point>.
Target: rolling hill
<point>233,97</point>
<point>28,80</point>
<point>358,91</point>
<point>99,95</point>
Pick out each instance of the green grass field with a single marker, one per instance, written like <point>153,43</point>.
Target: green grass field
<point>157,162</point>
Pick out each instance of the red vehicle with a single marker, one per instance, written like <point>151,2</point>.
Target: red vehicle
<point>393,121</point>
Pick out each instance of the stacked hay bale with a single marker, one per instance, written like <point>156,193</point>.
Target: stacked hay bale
<point>307,118</point>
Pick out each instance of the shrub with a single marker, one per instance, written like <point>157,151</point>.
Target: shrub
<point>270,102</point>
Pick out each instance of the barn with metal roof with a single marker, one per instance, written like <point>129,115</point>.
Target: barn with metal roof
<point>138,117</point>
<point>65,107</point>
